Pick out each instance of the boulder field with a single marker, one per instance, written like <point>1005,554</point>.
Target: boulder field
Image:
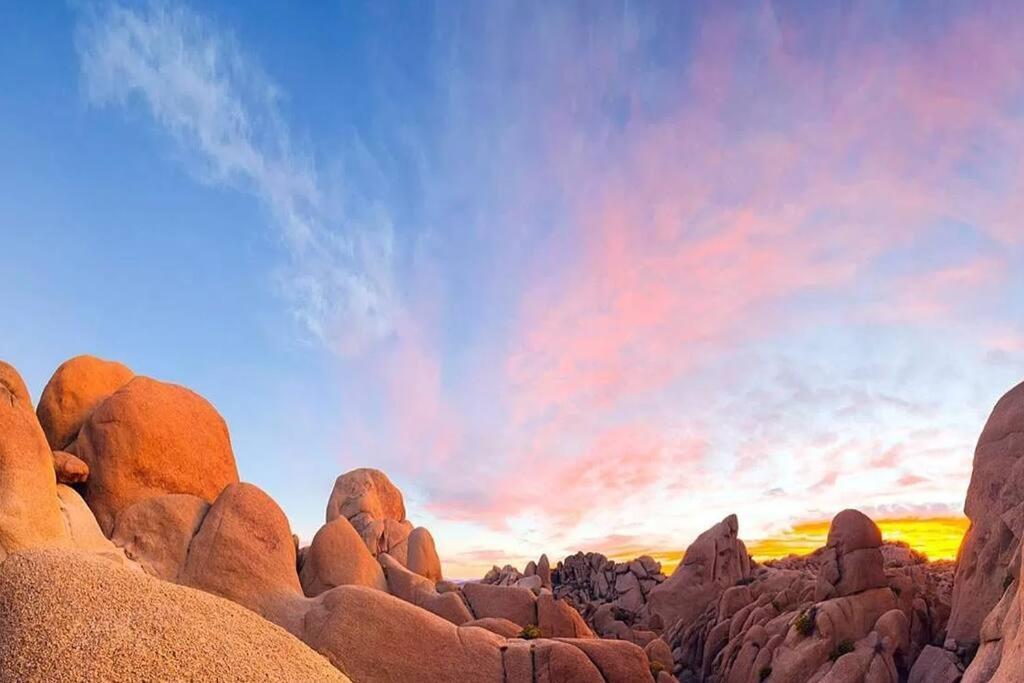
<point>130,550</point>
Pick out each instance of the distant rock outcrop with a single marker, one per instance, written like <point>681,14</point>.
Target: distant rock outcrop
<point>839,615</point>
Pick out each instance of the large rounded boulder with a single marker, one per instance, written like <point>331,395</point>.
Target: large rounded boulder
<point>74,391</point>
<point>151,438</point>
<point>244,552</point>
<point>68,616</point>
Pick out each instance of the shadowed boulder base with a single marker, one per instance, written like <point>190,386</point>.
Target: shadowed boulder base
<point>66,615</point>
<point>995,506</point>
<point>151,438</point>
<point>76,388</point>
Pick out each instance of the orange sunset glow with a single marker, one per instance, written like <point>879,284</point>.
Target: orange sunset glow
<point>937,537</point>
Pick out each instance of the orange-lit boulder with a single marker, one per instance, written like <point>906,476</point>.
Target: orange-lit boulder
<point>29,511</point>
<point>69,469</point>
<point>244,552</point>
<point>150,438</point>
<point>75,389</point>
<point>11,381</point>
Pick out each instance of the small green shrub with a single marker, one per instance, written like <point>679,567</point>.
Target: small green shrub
<point>656,668</point>
<point>844,647</point>
<point>530,632</point>
<point>804,623</point>
<point>764,673</point>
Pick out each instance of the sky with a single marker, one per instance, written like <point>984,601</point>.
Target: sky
<point>576,276</point>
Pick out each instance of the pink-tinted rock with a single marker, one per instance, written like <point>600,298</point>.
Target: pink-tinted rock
<point>420,591</point>
<point>716,560</point>
<point>497,625</point>
<point>995,506</point>
<point>422,557</point>
<point>518,605</point>
<point>157,532</point>
<point>338,557</point>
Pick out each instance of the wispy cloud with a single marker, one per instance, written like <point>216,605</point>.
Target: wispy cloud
<point>225,116</point>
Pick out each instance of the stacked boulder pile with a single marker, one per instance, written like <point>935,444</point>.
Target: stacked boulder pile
<point>127,538</point>
<point>611,596</point>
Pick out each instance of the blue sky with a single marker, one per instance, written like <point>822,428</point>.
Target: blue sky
<point>582,275</point>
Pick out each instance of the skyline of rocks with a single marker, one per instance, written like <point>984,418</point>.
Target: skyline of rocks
<point>134,481</point>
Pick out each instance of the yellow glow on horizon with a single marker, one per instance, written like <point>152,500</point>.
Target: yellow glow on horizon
<point>937,537</point>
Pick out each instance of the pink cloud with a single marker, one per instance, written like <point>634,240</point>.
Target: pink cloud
<point>697,232</point>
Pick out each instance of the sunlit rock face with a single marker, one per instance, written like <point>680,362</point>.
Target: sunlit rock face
<point>995,506</point>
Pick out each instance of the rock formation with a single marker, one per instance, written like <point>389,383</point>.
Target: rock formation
<point>128,502</point>
<point>995,506</point>
<point>715,561</point>
<point>838,615</point>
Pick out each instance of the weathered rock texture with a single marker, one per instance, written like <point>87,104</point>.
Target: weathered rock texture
<point>995,506</point>
<point>66,616</point>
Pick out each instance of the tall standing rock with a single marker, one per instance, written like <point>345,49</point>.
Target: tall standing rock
<point>852,559</point>
<point>148,439</point>
<point>74,391</point>
<point>712,563</point>
<point>995,506</point>
<point>375,508</point>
